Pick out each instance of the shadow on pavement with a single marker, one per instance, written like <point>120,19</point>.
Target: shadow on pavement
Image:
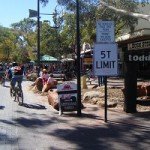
<point>102,137</point>
<point>144,114</point>
<point>2,107</point>
<point>6,86</point>
<point>33,106</point>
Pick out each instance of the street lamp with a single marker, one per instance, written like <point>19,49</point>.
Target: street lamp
<point>38,37</point>
<point>34,13</point>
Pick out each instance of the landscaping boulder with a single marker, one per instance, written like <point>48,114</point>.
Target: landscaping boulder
<point>142,90</point>
<point>146,88</point>
<point>39,84</point>
<point>49,86</point>
<point>53,99</point>
<point>97,97</point>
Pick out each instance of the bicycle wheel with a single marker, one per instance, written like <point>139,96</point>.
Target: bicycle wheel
<point>3,81</point>
<point>11,92</point>
<point>20,97</point>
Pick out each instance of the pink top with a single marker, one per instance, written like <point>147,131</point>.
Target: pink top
<point>45,78</point>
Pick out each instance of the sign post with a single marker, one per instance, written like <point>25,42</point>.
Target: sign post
<point>105,53</point>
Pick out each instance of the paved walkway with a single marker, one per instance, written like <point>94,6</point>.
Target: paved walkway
<point>37,126</point>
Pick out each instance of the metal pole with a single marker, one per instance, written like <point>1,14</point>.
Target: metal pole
<point>105,98</point>
<point>78,60</point>
<point>38,37</point>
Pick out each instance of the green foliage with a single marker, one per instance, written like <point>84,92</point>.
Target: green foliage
<point>6,43</point>
<point>20,42</point>
<point>26,25</point>
<point>49,40</point>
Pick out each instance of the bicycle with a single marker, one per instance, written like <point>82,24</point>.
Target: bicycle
<point>17,93</point>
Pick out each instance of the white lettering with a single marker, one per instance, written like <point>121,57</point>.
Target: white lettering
<point>139,45</point>
<point>135,58</point>
<point>139,58</point>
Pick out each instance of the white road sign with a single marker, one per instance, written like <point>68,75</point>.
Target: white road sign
<point>105,31</point>
<point>105,59</point>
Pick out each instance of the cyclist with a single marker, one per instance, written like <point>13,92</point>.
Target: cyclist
<point>16,74</point>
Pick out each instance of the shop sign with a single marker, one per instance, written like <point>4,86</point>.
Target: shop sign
<point>137,57</point>
<point>139,45</point>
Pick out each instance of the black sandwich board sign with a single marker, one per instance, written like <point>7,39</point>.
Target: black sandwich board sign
<point>67,95</point>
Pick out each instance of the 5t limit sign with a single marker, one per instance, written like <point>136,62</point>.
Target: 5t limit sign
<point>105,59</point>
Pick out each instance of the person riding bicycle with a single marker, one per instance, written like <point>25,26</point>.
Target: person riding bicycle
<point>16,74</point>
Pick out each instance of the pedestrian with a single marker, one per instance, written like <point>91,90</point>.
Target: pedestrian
<point>100,80</point>
<point>45,76</point>
<point>51,83</point>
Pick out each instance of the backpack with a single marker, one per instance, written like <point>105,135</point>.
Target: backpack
<point>18,70</point>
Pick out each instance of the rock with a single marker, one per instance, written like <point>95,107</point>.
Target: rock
<point>92,94</point>
<point>109,104</point>
<point>49,86</point>
<point>53,99</point>
<point>146,88</point>
<point>142,90</point>
<point>95,86</point>
<point>39,84</point>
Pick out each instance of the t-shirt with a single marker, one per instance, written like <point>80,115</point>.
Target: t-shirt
<point>45,77</point>
<point>15,71</point>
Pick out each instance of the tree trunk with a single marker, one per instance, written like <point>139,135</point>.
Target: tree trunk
<point>130,87</point>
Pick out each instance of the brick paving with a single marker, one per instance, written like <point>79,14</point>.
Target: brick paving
<point>37,126</point>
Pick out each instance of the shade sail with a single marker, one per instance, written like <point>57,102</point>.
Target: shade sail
<point>48,58</point>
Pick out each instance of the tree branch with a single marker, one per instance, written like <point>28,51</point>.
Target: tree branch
<point>137,15</point>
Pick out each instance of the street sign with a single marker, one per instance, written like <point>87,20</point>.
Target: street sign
<point>105,59</point>
<point>105,31</point>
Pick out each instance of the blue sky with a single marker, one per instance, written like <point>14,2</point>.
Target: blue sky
<point>12,11</point>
